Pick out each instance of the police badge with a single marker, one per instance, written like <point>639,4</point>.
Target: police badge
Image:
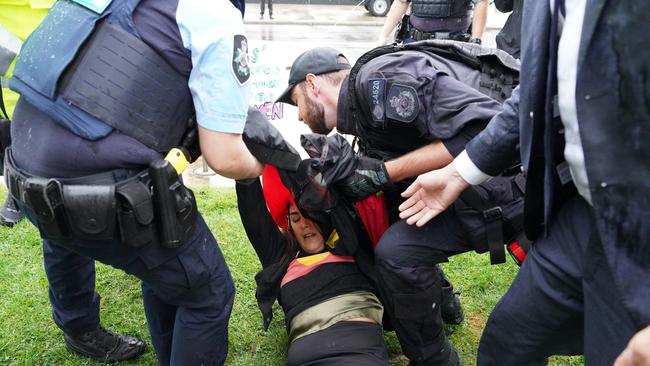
<point>240,66</point>
<point>403,104</point>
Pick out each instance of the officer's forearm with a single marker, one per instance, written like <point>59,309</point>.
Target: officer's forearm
<point>397,10</point>
<point>422,160</point>
<point>479,19</point>
<point>227,155</point>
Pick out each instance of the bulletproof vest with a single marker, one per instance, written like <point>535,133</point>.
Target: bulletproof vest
<point>496,75</point>
<point>92,73</point>
<point>440,8</point>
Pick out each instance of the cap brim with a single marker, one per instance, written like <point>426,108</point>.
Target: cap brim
<point>285,97</point>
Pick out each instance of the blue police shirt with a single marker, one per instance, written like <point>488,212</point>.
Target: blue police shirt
<point>214,33</point>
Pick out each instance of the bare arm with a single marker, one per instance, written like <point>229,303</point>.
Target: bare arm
<point>227,155</point>
<point>479,19</point>
<point>427,158</point>
<point>395,14</point>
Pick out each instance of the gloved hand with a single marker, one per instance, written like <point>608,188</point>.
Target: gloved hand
<point>369,177</point>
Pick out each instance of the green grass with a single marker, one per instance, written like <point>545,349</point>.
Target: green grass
<point>28,336</point>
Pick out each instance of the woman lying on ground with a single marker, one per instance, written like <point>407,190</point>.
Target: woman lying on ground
<point>331,311</point>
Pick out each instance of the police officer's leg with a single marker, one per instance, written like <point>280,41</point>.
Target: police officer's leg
<point>608,324</point>
<point>541,314</point>
<point>188,300</point>
<point>201,326</point>
<point>160,321</point>
<point>71,279</point>
<point>75,307</point>
<point>410,285</point>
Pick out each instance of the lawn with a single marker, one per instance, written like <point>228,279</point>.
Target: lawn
<point>28,336</point>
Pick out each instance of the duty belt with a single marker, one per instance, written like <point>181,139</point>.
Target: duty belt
<point>113,205</point>
<point>419,35</point>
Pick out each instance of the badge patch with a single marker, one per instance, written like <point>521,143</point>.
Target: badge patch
<point>402,103</point>
<point>376,91</point>
<point>240,66</point>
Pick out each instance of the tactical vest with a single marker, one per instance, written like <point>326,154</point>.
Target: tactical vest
<point>92,73</point>
<point>498,75</point>
<point>440,8</point>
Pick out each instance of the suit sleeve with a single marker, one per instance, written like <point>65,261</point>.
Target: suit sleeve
<point>497,146</point>
<point>264,235</point>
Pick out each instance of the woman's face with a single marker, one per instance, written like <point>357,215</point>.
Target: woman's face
<point>308,235</point>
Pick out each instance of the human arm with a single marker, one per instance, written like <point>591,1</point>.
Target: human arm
<point>637,352</point>
<point>489,153</point>
<point>261,230</point>
<point>227,154</point>
<point>397,10</point>
<point>479,19</point>
<point>218,81</point>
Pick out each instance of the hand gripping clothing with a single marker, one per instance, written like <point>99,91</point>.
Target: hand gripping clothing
<point>422,95</point>
<point>318,293</point>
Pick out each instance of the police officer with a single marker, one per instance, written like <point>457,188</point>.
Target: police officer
<point>435,19</point>
<point>79,320</point>
<point>404,105</point>
<point>107,89</point>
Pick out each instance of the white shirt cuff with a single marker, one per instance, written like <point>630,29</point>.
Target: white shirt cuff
<point>468,170</point>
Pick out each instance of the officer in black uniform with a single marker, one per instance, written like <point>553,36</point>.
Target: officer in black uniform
<point>107,89</point>
<point>460,20</point>
<point>411,108</point>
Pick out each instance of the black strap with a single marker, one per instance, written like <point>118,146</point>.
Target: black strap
<point>2,104</point>
<point>493,217</point>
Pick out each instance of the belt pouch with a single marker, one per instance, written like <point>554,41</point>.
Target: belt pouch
<point>135,214</point>
<point>91,210</point>
<point>46,200</point>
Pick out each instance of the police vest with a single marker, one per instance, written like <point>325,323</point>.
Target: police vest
<point>496,75</point>
<point>440,8</point>
<point>90,72</point>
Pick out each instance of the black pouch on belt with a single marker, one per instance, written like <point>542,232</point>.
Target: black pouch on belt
<point>135,213</point>
<point>91,211</point>
<point>45,197</point>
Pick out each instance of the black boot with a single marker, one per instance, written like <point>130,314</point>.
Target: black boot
<point>447,356</point>
<point>103,345</point>
<point>450,308</point>
<point>9,213</point>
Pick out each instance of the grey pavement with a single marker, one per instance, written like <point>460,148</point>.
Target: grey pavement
<point>311,14</point>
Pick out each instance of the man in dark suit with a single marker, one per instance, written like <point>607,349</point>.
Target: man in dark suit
<point>580,122</point>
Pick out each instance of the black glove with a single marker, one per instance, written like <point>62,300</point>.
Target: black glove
<point>369,177</point>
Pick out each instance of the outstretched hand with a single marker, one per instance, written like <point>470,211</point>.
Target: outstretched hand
<point>430,194</point>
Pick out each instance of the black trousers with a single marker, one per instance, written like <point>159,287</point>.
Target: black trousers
<point>409,284</point>
<point>345,343</point>
<point>563,301</point>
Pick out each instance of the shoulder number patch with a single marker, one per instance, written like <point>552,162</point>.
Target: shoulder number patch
<point>240,66</point>
<point>376,91</point>
<point>402,103</point>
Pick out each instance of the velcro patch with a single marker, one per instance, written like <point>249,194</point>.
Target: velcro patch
<point>240,66</point>
<point>402,103</point>
<point>376,92</point>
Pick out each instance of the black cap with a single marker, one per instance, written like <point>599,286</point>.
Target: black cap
<point>320,60</point>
